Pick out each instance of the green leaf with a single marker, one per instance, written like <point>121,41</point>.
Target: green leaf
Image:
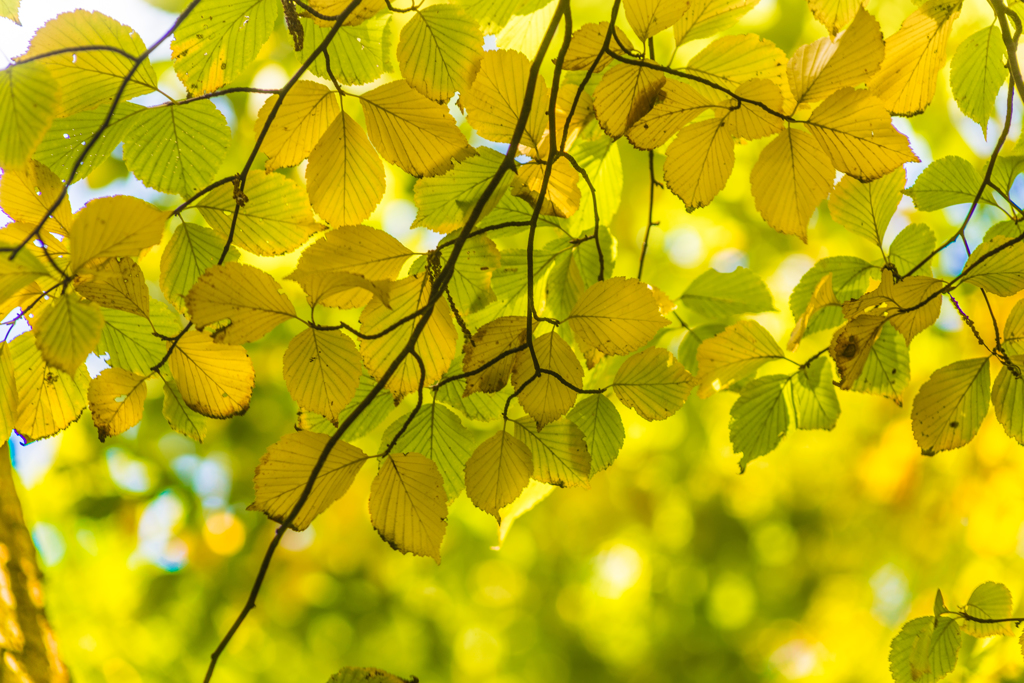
<point>691,343</point>
<point>90,78</point>
<point>976,73</point>
<point>947,182</point>
<point>1002,273</point>
<point>368,420</point>
<point>1008,401</point>
<point>759,418</point>
<point>357,54</point>
<point>1006,170</point>
<point>8,390</point>
<point>886,369</point>
<point>849,280</point>
<point>912,246</point>
<point>470,285</point>
<point>439,51</point>
<point>939,607</point>
<point>653,383</point>
<point>603,163</point>
<point>436,433</point>
<point>719,295</point>
<point>68,331</point>
<point>23,270</point>
<point>1004,228</point>
<point>951,405</point>
<point>28,99</point>
<point>865,209</point>
<point>444,203</point>
<point>815,404</point>
<point>275,219</point>
<point>990,600</point>
<point>180,417</point>
<point>216,43</point>
<point>560,454</point>
<point>602,428</point>
<point>351,674</point>
<point>476,406</point>
<point>705,18</point>
<point>924,650</point>
<point>1013,330</point>
<point>188,253</point>
<point>64,140</point>
<point>177,149</point>
<point>130,341</point>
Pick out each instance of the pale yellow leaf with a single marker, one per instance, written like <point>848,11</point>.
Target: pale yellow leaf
<point>542,395</point>
<point>436,345</point>
<point>586,45</point>
<point>344,177</point>
<point>307,113</point>
<point>818,69</point>
<point>834,14</point>
<point>732,60</point>
<point>653,383</point>
<point>440,50</point>
<point>490,354</point>
<point>48,399</point>
<point>494,101</point>
<point>241,302</point>
<point>27,193</point>
<point>733,354</point>
<point>321,371</point>
<point>115,283</point>
<point>824,295</point>
<point>624,96</point>
<point>650,17</point>
<point>408,505</point>
<point>284,471</point>
<point>68,331</point>
<point>116,400</point>
<point>751,121</point>
<point>497,472</point>
<point>560,455</point>
<point>114,226</point>
<point>790,179</point>
<point>616,316</point>
<point>562,195</point>
<point>951,405</point>
<point>215,380</point>
<point>911,304</point>
<point>705,18</point>
<point>699,162</point>
<point>679,105</point>
<point>913,57</point>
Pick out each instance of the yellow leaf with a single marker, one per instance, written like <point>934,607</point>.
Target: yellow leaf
<point>679,105</point>
<point>48,399</point>
<point>544,397</point>
<point>653,383</point>
<point>274,219</point>
<point>901,303</point>
<point>116,399</point>
<point>497,472</point>
<point>834,14</point>
<point>215,380</point>
<point>650,17</point>
<point>408,505</point>
<point>215,43</point>
<point>562,197</point>
<point>624,96</point>
<point>68,331</point>
<point>951,405</point>
<point>851,347</point>
<point>440,50</point>
<point>858,135</point>
<point>489,354</point>
<point>90,78</point>
<point>494,101</point>
<point>284,471</point>
<point>586,44</point>
<point>307,113</point>
<point>362,11</point>
<point>19,273</point>
<point>705,18</point>
<point>410,131</point>
<point>818,69</point>
<point>616,316</point>
<point>444,202</point>
<point>750,121</point>
<point>560,454</point>
<point>321,371</point>
<point>436,345</point>
<point>824,295</point>
<point>8,390</point>
<point>247,298</point>
<point>699,162</point>
<point>344,177</point>
<point>341,290</point>
<point>913,57</point>
<point>583,113</point>
<point>732,60</point>
<point>188,253</point>
<point>114,226</point>
<point>733,354</point>
<point>354,249</point>
<point>115,283</point>
<point>790,179</point>
<point>26,195</point>
<point>996,265</point>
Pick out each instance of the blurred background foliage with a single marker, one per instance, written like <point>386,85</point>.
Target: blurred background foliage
<point>671,567</point>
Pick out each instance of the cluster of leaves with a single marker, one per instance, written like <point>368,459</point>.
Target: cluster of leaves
<point>927,648</point>
<point>517,319</point>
